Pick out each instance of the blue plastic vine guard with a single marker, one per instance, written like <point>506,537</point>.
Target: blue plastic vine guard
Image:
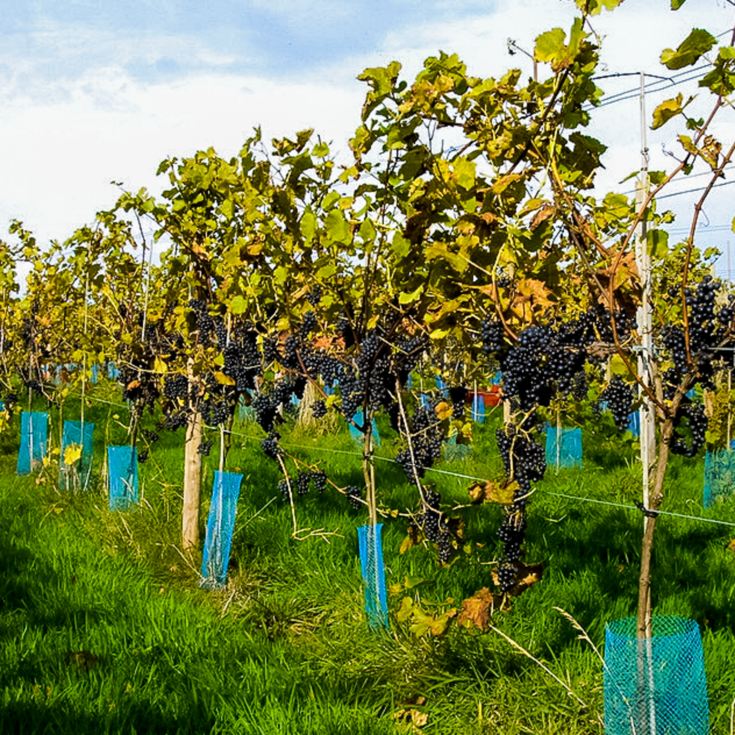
<point>719,476</point>
<point>356,434</point>
<point>76,433</point>
<point>565,447</point>
<point>220,527</point>
<point>373,574</point>
<point>634,423</point>
<point>33,440</point>
<point>112,371</point>
<point>122,476</point>
<point>442,386</point>
<point>478,408</point>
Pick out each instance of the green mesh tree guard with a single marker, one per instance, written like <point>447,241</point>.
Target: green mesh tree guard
<point>220,526</point>
<point>122,476</point>
<point>719,476</point>
<point>455,451</point>
<point>33,440</point>
<point>373,574</point>
<point>655,686</point>
<point>564,448</point>
<point>75,475</point>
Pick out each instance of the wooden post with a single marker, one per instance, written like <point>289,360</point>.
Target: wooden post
<point>192,482</point>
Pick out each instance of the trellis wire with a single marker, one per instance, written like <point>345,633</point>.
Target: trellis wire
<point>476,478</point>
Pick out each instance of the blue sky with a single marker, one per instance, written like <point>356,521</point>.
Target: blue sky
<point>96,90</point>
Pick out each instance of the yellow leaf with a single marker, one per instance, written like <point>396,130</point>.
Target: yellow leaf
<point>443,410</point>
<point>72,454</point>
<point>159,365</point>
<point>223,379</point>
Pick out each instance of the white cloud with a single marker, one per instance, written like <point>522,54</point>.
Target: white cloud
<point>63,140</point>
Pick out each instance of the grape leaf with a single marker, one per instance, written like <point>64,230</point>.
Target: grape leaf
<point>689,51</point>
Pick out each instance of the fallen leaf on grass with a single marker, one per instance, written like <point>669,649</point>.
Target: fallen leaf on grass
<point>477,610</point>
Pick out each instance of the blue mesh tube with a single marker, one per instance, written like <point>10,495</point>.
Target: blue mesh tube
<point>719,476</point>
<point>94,374</point>
<point>220,526</point>
<point>442,386</point>
<point>497,378</point>
<point>425,401</point>
<point>113,373</point>
<point>634,423</point>
<point>77,474</point>
<point>33,440</point>
<point>356,434</point>
<point>373,574</point>
<point>122,475</point>
<point>565,450</point>
<point>478,408</point>
<point>655,686</point>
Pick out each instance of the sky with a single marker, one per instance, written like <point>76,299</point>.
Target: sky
<point>93,91</point>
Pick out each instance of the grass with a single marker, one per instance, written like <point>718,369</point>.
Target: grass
<point>103,627</point>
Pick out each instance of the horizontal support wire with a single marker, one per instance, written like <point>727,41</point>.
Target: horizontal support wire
<point>476,478</point>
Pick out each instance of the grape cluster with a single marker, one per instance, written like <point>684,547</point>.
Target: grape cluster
<point>269,445</point>
<point>507,576</point>
<point>435,526</point>
<point>492,333</point>
<point>176,387</point>
<point>696,422</point>
<point>205,448</point>
<point>458,397</point>
<point>354,497</point>
<point>303,481</point>
<point>319,409</point>
<point>426,440</point>
<point>619,398</point>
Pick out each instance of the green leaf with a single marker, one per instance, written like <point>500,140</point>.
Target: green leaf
<point>337,227</point>
<point>658,243</point>
<point>238,305</point>
<point>408,298</point>
<point>594,7</point>
<point>401,245</point>
<point>227,208</point>
<point>676,4</point>
<point>617,365</point>
<point>689,51</point>
<point>280,275</point>
<point>308,225</point>
<point>550,45</point>
<point>733,224</point>
<point>667,109</point>
<point>464,173</point>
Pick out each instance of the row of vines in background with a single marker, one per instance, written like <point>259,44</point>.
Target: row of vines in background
<point>460,237</point>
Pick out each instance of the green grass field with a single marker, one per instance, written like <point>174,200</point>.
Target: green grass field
<point>103,628</point>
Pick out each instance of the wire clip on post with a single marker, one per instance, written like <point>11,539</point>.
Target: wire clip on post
<point>647,511</point>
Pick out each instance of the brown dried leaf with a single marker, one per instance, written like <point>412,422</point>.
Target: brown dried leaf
<point>477,610</point>
<point>541,216</point>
